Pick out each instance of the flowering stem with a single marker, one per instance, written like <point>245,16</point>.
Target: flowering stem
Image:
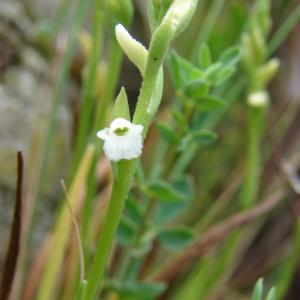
<point>122,183</point>
<point>147,104</point>
<point>114,69</point>
<point>252,173</point>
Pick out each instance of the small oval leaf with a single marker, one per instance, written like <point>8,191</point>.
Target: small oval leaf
<point>231,56</point>
<point>174,239</point>
<point>196,88</point>
<point>125,232</point>
<point>204,57</point>
<point>167,132</point>
<point>164,191</point>
<point>208,103</point>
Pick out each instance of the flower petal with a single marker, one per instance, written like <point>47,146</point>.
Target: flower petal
<point>103,134</point>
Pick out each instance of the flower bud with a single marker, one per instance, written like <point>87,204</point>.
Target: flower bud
<point>266,72</point>
<point>179,14</point>
<point>259,99</point>
<point>135,51</point>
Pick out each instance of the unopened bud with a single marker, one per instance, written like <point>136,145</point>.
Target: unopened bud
<point>259,99</point>
<point>135,51</point>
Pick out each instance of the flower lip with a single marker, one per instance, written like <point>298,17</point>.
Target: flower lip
<point>121,131</point>
<point>122,140</point>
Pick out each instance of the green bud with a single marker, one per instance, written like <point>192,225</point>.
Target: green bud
<point>265,73</point>
<point>179,15</point>
<point>156,11</point>
<point>261,16</point>
<point>258,99</point>
<point>135,51</point>
<point>247,53</point>
<point>258,45</point>
<point>121,108</point>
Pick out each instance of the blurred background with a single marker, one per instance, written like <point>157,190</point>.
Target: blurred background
<point>33,37</point>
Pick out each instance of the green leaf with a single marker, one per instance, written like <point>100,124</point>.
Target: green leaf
<point>149,291</point>
<point>133,210</point>
<point>258,290</point>
<point>164,191</point>
<point>213,71</point>
<point>208,103</point>
<point>204,136</point>
<point>224,74</point>
<point>201,137</point>
<point>196,88</point>
<point>182,71</point>
<point>125,232</point>
<point>272,294</point>
<point>175,239</point>
<point>138,290</point>
<point>218,73</point>
<point>167,132</point>
<point>121,108</point>
<point>168,211</point>
<point>204,57</point>
<point>144,243</point>
<point>231,56</point>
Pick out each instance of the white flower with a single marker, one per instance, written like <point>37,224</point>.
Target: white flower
<point>258,99</point>
<point>122,140</point>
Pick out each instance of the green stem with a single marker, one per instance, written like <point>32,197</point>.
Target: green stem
<point>288,269</point>
<point>171,153</point>
<point>208,25</point>
<point>131,265</point>
<point>288,25</point>
<point>82,290</point>
<point>185,158</point>
<point>112,78</point>
<point>253,172</point>
<point>125,170</point>
<point>122,182</point>
<point>63,76</point>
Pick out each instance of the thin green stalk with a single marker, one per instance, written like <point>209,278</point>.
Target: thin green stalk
<point>208,25</point>
<point>43,155</point>
<point>82,290</point>
<point>62,14</point>
<point>287,271</point>
<point>90,80</point>
<point>171,152</point>
<point>122,182</point>
<point>62,79</point>
<point>125,169</point>
<point>131,265</point>
<point>253,160</point>
<point>147,104</point>
<point>114,66</point>
<point>185,158</point>
<point>281,34</point>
